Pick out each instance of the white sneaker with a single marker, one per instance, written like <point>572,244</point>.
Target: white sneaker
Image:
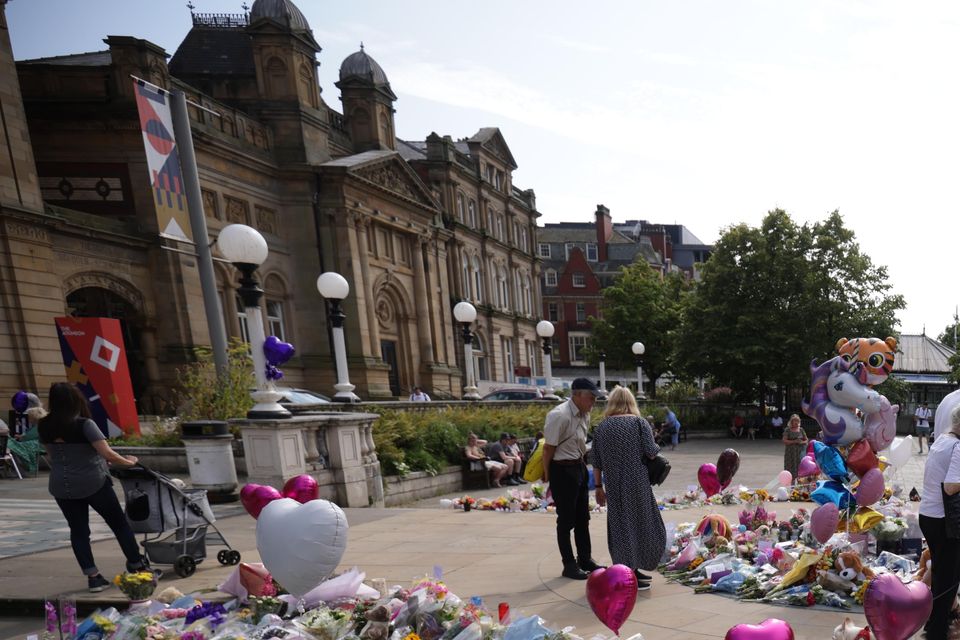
<point>643,586</point>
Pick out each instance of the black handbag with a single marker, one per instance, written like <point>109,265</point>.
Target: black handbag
<point>659,469</point>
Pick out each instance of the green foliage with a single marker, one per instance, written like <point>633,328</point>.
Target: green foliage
<point>774,297</point>
<point>947,337</point>
<point>163,433</point>
<point>203,396</point>
<point>896,390</point>
<point>430,439</point>
<point>678,391</point>
<point>639,305</point>
<point>719,395</point>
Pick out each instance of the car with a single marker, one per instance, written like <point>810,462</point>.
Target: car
<point>298,397</point>
<point>514,394</point>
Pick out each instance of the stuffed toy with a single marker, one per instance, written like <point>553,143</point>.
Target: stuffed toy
<point>850,631</point>
<point>850,567</point>
<point>924,574</point>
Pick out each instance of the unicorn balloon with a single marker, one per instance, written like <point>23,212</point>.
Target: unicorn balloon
<point>835,391</point>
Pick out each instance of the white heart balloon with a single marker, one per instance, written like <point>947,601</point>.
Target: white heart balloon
<point>301,544</point>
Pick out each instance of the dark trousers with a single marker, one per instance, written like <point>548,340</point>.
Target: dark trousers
<point>945,556</point>
<point>569,485</point>
<point>77,513</point>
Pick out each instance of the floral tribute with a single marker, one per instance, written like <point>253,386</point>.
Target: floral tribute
<point>136,586</point>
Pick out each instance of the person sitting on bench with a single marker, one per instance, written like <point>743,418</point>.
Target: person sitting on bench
<point>474,451</point>
<point>500,452</point>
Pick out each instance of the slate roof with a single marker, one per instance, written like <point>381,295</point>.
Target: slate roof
<point>921,354</point>
<point>412,150</point>
<point>359,158</point>
<point>583,232</point>
<point>360,65</point>
<point>282,11</point>
<point>88,59</point>
<point>212,51</point>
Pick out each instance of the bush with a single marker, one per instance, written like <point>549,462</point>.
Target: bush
<point>677,392</point>
<point>720,395</point>
<point>204,396</point>
<point>431,439</point>
<point>163,433</point>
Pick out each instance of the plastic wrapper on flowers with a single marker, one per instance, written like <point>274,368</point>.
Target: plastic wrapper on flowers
<point>427,610</point>
<point>535,498</point>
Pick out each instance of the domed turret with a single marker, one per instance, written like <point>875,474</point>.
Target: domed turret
<point>360,66</point>
<point>282,11</point>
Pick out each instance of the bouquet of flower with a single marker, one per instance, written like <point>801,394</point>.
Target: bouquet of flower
<point>136,586</point>
<point>466,503</point>
<point>327,624</point>
<point>264,605</point>
<point>890,530</point>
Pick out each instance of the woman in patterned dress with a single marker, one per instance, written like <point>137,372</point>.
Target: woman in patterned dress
<point>635,533</point>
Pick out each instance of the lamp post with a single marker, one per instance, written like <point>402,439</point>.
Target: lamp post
<point>545,330</point>
<point>638,350</point>
<point>334,287</point>
<point>465,313</point>
<point>603,372</point>
<point>247,250</point>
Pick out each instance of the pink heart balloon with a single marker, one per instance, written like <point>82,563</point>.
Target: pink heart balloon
<point>302,488</point>
<point>709,481</point>
<point>254,497</point>
<point>808,467</point>
<point>769,629</point>
<point>871,488</point>
<point>612,592</point>
<point>896,611</point>
<point>824,521</point>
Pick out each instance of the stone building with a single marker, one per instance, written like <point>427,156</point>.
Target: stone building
<point>405,223</point>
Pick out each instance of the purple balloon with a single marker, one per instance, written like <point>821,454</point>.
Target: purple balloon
<point>20,401</point>
<point>894,610</point>
<point>871,488</point>
<point>824,521</point>
<point>611,593</point>
<point>277,352</point>
<point>707,476</point>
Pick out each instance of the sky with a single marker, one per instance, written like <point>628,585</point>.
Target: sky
<point>697,112</point>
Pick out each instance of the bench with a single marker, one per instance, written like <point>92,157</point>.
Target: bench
<point>475,474</point>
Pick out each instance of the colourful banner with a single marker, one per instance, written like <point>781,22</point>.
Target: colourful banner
<point>96,362</point>
<point>163,162</point>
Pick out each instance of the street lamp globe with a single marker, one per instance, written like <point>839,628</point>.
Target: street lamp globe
<point>333,286</point>
<point>465,312</point>
<point>545,329</point>
<point>638,348</point>
<point>241,244</point>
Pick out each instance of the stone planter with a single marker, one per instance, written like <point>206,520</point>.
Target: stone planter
<point>209,451</point>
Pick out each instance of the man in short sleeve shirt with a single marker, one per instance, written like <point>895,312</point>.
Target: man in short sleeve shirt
<point>922,418</point>
<point>564,466</point>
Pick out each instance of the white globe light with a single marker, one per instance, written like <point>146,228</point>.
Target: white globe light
<point>242,244</point>
<point>465,312</point>
<point>332,285</point>
<point>545,329</point>
<point>638,348</point>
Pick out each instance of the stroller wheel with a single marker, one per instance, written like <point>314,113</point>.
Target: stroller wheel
<point>185,566</point>
<point>223,557</point>
<point>233,556</point>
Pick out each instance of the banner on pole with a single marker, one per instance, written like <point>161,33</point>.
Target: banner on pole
<point>96,362</point>
<point>163,162</point>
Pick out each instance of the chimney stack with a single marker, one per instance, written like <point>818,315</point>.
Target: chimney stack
<point>604,231</point>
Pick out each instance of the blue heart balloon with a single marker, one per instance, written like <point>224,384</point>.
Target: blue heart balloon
<point>20,401</point>
<point>830,461</point>
<point>276,351</point>
<point>832,491</point>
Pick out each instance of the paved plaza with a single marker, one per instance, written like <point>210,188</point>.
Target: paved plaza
<point>501,557</point>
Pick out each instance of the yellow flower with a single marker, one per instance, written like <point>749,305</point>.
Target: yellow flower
<point>411,636</point>
<point>117,579</point>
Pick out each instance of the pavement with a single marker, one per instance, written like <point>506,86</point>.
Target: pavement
<point>501,557</point>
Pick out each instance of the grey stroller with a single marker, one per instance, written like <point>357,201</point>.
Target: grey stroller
<point>179,518</point>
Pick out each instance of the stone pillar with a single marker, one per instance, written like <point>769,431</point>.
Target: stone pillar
<point>447,327</point>
<point>273,450</point>
<point>437,301</point>
<point>373,325</point>
<point>421,303</point>
<point>359,286</point>
<point>345,443</point>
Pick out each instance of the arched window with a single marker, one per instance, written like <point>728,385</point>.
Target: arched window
<point>275,296</point>
<point>528,295</point>
<point>481,365</point>
<point>307,91</point>
<point>517,293</point>
<point>494,286</point>
<point>477,282</point>
<point>465,276</point>
<point>472,214</point>
<point>275,78</point>
<point>460,207</point>
<point>504,292</point>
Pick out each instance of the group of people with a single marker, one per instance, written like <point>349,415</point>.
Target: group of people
<point>502,458</point>
<point>759,425</point>
<point>25,444</point>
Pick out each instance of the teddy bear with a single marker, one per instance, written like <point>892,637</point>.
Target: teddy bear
<point>849,631</point>
<point>850,567</point>
<point>924,574</point>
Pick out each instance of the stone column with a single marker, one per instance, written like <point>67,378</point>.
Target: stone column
<point>437,301</point>
<point>358,292</point>
<point>447,327</point>
<point>373,326</point>
<point>421,302</point>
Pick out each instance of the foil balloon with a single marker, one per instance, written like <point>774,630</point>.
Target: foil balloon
<point>831,491</point>
<point>871,488</point>
<point>707,476</point>
<point>863,520</point>
<point>824,521</point>
<point>727,466</point>
<point>276,351</point>
<point>808,467</point>
<point>612,592</point>
<point>301,544</point>
<point>861,458</point>
<point>784,478</point>
<point>894,610</point>
<point>20,401</point>
<point>900,452</point>
<point>830,461</point>
<point>770,629</point>
<point>302,488</point>
<point>881,428</point>
<point>254,497</point>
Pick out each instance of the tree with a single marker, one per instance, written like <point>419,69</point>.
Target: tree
<point>774,297</point>
<point>950,333</point>
<point>640,305</point>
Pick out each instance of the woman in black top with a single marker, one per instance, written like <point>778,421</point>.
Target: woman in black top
<point>78,454</point>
